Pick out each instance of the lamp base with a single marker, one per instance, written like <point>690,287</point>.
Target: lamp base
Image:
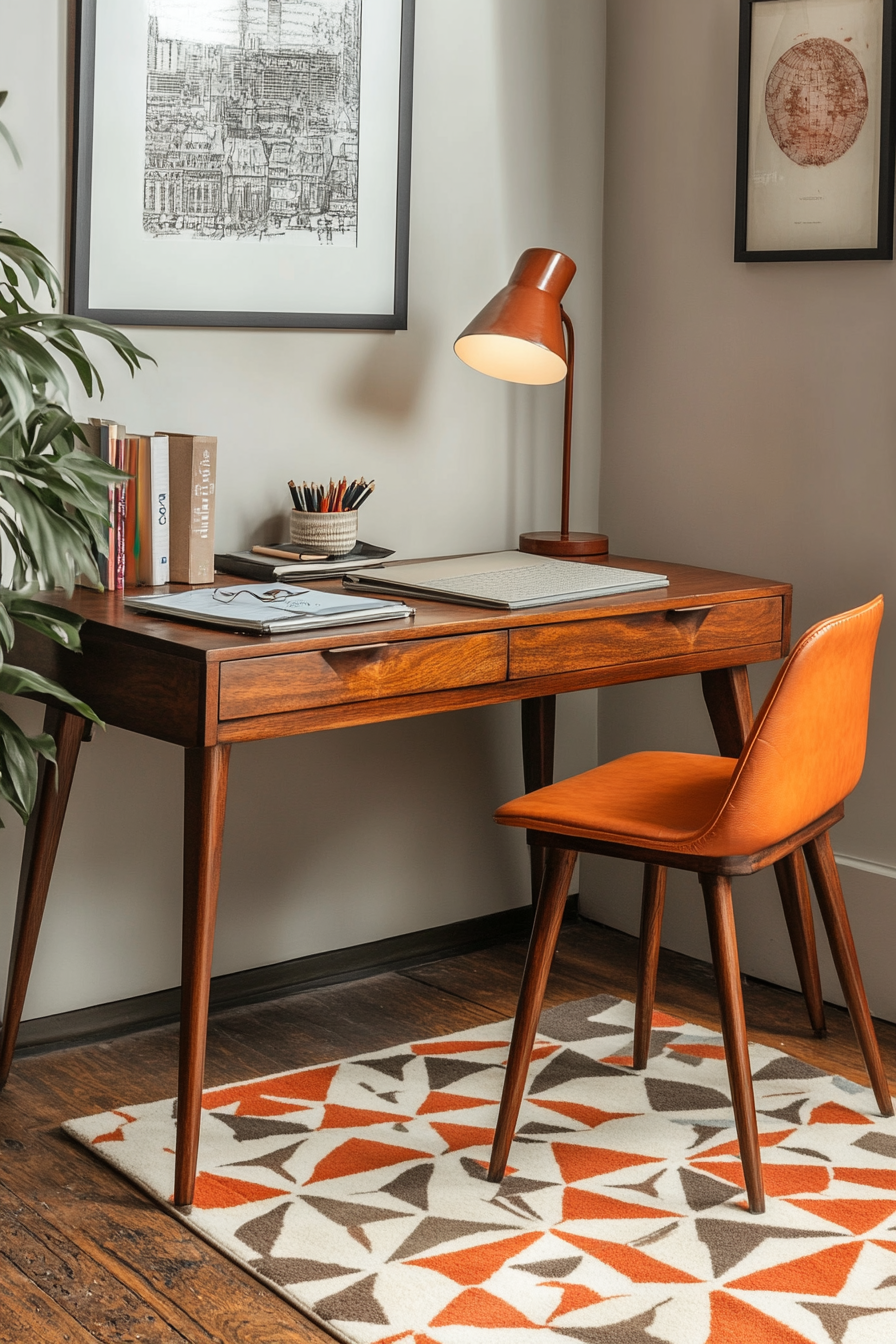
<point>565,547</point>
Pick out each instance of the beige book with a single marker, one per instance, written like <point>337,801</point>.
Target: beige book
<point>191,541</point>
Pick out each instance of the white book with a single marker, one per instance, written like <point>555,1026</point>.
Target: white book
<point>268,609</point>
<point>161,511</point>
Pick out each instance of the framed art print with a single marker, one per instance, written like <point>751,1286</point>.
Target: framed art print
<point>241,163</point>
<point>815,139</point>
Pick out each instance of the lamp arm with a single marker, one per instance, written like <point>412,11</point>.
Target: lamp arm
<point>567,421</point>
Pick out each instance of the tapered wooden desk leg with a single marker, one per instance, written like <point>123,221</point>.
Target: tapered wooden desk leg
<point>826,880</point>
<point>723,940</point>
<point>794,889</point>
<point>539,717</point>
<point>205,798</point>
<point>41,843</point>
<point>653,899</point>
<point>545,931</point>
<point>726,691</point>
<point>727,695</point>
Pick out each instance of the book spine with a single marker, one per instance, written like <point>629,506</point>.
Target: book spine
<point>192,465</point>
<point>121,499</point>
<point>93,433</point>
<point>130,493</point>
<point>160,510</point>
<point>143,536</point>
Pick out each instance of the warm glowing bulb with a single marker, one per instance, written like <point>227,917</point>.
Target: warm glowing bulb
<point>510,358</point>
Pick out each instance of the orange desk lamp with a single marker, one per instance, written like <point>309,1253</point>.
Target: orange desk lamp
<point>519,337</point>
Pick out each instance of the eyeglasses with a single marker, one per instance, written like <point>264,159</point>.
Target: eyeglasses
<point>270,595</point>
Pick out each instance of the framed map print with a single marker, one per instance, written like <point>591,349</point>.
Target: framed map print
<point>241,163</point>
<point>815,139</point>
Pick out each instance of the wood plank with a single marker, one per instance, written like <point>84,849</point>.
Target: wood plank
<point>27,1313</point>
<point>86,1290</point>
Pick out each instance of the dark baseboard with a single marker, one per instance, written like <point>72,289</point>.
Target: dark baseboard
<point>105,1021</point>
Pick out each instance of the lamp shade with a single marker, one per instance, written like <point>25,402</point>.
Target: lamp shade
<point>518,336</point>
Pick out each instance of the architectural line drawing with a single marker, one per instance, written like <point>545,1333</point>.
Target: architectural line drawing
<point>252,117</point>
<point>816,101</point>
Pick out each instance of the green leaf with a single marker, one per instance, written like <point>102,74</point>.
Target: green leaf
<point>18,767</point>
<point>22,681</point>
<point>56,623</point>
<point>12,145</point>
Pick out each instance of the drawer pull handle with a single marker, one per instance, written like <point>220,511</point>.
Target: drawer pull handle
<point>686,611</point>
<point>357,648</point>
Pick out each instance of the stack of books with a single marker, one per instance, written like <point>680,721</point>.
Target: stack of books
<point>162,519</point>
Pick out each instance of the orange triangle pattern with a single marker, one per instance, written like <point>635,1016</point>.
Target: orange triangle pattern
<point>450,1047</point>
<point>585,1115</point>
<point>477,1263</point>
<point>732,1148</point>
<point>780,1178</point>
<point>477,1307</point>
<point>884,1178</point>
<point>542,1051</point>
<point>628,1260</point>
<point>256,1098</point>
<point>578,1163</point>
<point>348,1117</point>
<point>115,1135</point>
<point>823,1274</point>
<point>856,1215</point>
<point>585,1204</point>
<point>736,1322</point>
<point>223,1192</point>
<point>699,1051</point>
<point>832,1113</point>
<point>624,1061</point>
<point>666,1020</point>
<point>464,1136</point>
<point>575,1296</point>
<point>446,1101</point>
<point>356,1155</point>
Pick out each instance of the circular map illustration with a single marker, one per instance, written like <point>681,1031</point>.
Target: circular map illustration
<point>816,101</point>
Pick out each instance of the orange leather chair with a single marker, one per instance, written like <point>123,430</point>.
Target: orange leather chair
<point>718,817</point>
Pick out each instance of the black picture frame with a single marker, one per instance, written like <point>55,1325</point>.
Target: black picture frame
<point>883,250</point>
<point>82,58</point>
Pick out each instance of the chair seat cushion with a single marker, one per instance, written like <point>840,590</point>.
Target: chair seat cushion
<point>658,799</point>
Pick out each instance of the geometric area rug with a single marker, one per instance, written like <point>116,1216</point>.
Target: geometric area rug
<point>357,1191</point>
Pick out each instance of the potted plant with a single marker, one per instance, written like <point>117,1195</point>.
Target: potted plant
<point>54,498</point>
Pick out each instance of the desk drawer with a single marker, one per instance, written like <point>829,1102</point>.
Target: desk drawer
<point>374,671</point>
<point>539,650</point>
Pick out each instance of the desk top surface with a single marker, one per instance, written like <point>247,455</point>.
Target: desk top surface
<point>689,585</point>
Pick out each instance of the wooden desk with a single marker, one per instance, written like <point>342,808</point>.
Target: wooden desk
<point>205,689</point>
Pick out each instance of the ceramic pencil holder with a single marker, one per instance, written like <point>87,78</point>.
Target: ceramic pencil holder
<point>325,533</point>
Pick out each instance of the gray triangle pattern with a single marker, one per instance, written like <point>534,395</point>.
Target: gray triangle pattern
<point>882,1144</point>
<point>412,1186</point>
<point>272,1161</point>
<point>666,1094</point>
<point>566,1067</point>
<point>728,1242</point>
<point>442,1071</point>
<point>836,1318</point>
<point>437,1231</point>
<point>705,1192</point>
<point>633,1331</point>
<point>552,1269</point>
<point>570,1022</point>
<point>351,1215</point>
<point>356,1303</point>
<point>392,1066</point>
<point>251,1127</point>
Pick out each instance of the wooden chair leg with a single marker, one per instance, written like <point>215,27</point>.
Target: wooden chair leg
<point>653,899</point>
<point>205,797</point>
<point>826,880</point>
<point>545,931</point>
<point>794,889</point>
<point>41,843</point>
<point>538,718</point>
<point>723,939</point>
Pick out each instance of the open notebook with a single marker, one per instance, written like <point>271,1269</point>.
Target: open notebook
<point>506,579</point>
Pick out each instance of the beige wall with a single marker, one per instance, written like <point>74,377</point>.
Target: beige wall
<point>342,838</point>
<point>749,424</point>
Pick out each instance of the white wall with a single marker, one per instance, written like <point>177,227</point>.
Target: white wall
<point>336,839</point>
<point>749,416</point>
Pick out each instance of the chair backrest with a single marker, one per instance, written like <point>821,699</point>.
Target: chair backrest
<point>807,746</point>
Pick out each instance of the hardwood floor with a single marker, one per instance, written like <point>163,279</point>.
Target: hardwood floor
<point>84,1256</point>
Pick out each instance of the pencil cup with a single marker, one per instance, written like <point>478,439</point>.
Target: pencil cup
<point>326,533</point>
